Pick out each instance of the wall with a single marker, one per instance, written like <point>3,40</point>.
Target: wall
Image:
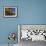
<point>7,25</point>
<point>29,12</point>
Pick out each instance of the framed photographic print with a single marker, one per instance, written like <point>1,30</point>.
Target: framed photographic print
<point>10,11</point>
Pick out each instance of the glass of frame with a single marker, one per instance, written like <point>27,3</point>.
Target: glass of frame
<point>10,11</point>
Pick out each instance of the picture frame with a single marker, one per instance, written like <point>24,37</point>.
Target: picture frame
<point>10,11</point>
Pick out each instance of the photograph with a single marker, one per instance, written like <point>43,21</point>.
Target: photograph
<point>10,11</point>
